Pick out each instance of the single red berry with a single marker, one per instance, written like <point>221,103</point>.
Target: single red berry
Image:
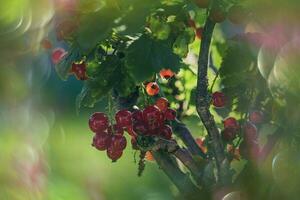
<point>152,88</point>
<point>79,69</point>
<point>249,150</point>
<point>228,134</point>
<point>217,15</point>
<point>191,23</point>
<point>166,132</point>
<point>231,122</point>
<point>202,3</point>
<point>166,73</point>
<point>101,141</point>
<point>58,54</point>
<point>140,128</point>
<point>201,143</point>
<point>123,118</point>
<point>114,154</point>
<point>98,122</point>
<point>162,104</point>
<point>46,44</point>
<point>137,116</point>
<point>256,117</point>
<point>170,114</point>
<point>218,99</point>
<point>118,142</point>
<point>199,33</point>
<point>250,132</point>
<point>152,117</point>
<point>115,130</point>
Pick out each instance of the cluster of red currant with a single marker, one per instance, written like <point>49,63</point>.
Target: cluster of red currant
<point>152,121</point>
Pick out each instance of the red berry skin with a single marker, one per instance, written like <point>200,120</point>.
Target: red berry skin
<point>101,141</point>
<point>166,132</point>
<point>140,128</point>
<point>162,104</point>
<point>79,69</point>
<point>57,55</point>
<point>170,114</point>
<point>137,116</point>
<point>123,118</point>
<point>115,130</point>
<point>166,73</point>
<point>114,154</point>
<point>256,117</point>
<point>250,132</point>
<point>231,122</point>
<point>152,117</point>
<point>199,33</point>
<point>98,122</point>
<point>228,134</point>
<point>218,99</point>
<point>118,142</point>
<point>152,89</point>
<point>249,150</point>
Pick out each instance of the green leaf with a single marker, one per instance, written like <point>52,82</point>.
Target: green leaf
<point>146,56</point>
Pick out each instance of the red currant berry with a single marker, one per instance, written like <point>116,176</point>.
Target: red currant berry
<point>101,141</point>
<point>152,117</point>
<point>123,118</point>
<point>140,128</point>
<point>152,88</point>
<point>166,73</point>
<point>231,122</point>
<point>256,117</point>
<point>170,114</point>
<point>79,69</point>
<point>115,130</point>
<point>249,150</point>
<point>217,15</point>
<point>57,55</point>
<point>162,104</point>
<point>46,44</point>
<point>202,3</point>
<point>137,116</point>
<point>250,132</point>
<point>118,142</point>
<point>166,132</point>
<point>98,122</point>
<point>218,99</point>
<point>199,33</point>
<point>228,134</point>
<point>114,154</point>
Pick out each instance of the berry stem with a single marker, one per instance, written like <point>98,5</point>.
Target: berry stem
<point>202,105</point>
<point>141,163</point>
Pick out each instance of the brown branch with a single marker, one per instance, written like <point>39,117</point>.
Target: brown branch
<point>202,104</point>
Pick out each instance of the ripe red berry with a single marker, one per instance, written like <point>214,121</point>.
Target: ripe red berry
<point>152,117</point>
<point>162,104</point>
<point>115,130</point>
<point>137,116</point>
<point>123,118</point>
<point>217,15</point>
<point>114,154</point>
<point>46,44</point>
<point>231,122</point>
<point>218,99</point>
<point>170,114</point>
<point>98,122</point>
<point>152,88</point>
<point>199,33</point>
<point>256,117</point>
<point>201,144</point>
<point>118,142</point>
<point>166,132</point>
<point>249,150</point>
<point>166,73</point>
<point>228,134</point>
<point>202,3</point>
<point>57,55</point>
<point>79,69</point>
<point>250,132</point>
<point>101,141</point>
<point>140,128</point>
